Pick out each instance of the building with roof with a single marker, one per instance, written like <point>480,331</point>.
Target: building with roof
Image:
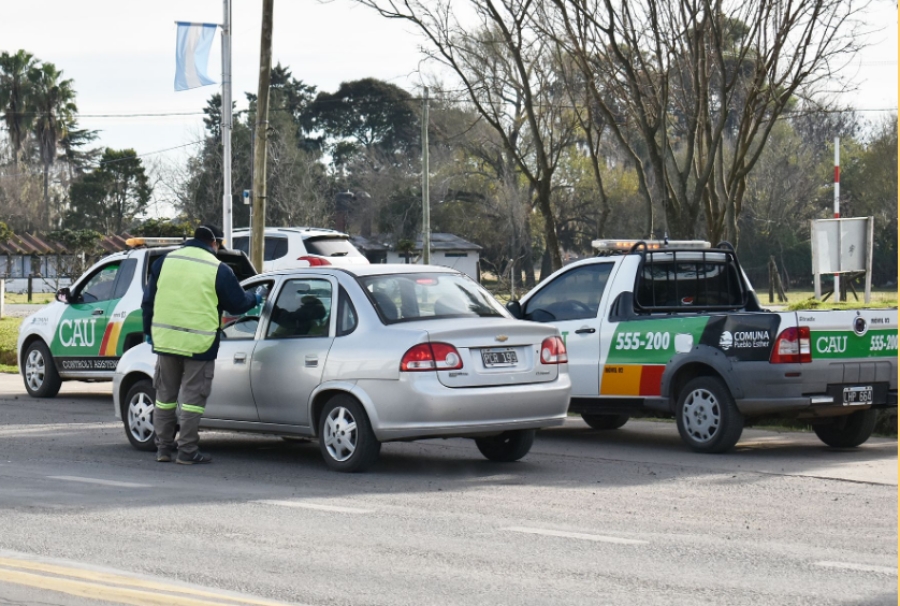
<point>448,250</point>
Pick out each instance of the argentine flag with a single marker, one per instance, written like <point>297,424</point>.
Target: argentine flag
<point>192,54</point>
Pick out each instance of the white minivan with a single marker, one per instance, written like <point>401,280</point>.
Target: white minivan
<point>293,247</point>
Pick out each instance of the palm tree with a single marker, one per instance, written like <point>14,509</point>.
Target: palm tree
<point>54,109</point>
<point>15,90</point>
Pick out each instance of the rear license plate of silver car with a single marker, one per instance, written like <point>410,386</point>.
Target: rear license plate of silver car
<point>494,358</point>
<point>859,395</point>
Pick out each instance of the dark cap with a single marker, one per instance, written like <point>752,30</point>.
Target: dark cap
<point>208,233</point>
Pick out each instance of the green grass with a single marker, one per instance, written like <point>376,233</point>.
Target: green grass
<point>6,368</point>
<point>804,299</point>
<point>38,298</point>
<point>9,333</point>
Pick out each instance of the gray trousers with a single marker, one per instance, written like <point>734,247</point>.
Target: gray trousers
<point>185,382</point>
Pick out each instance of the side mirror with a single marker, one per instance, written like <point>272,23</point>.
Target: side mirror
<point>515,308</point>
<point>62,295</point>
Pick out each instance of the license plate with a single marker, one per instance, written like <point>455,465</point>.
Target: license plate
<point>854,396</point>
<point>498,357</point>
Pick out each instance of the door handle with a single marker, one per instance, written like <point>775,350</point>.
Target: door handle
<point>240,358</point>
<point>312,361</point>
<point>97,312</point>
<point>582,331</point>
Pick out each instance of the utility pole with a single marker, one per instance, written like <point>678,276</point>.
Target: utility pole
<point>837,213</point>
<point>426,203</point>
<point>258,211</point>
<point>227,218</point>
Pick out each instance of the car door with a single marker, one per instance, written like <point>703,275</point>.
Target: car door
<point>288,361</point>
<point>231,397</point>
<point>81,338</point>
<point>571,303</point>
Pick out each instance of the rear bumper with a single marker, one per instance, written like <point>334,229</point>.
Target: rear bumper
<point>419,406</point>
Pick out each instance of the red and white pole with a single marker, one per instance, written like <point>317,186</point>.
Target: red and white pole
<point>837,210</point>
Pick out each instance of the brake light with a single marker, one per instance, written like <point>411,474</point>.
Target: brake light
<point>314,261</point>
<point>431,356</point>
<point>792,346</point>
<point>553,351</point>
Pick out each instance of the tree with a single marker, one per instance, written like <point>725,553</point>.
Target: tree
<point>112,195</point>
<point>15,90</point>
<point>692,89</point>
<point>54,111</point>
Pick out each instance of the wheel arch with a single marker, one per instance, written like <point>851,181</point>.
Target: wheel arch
<point>701,362</point>
<point>327,391</point>
<point>27,343</point>
<point>129,381</point>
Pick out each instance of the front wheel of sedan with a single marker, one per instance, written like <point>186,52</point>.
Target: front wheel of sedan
<point>41,377</point>
<point>137,415</point>
<point>507,447</point>
<point>346,438</point>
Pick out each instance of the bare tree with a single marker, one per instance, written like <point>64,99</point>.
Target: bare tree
<point>693,88</point>
<point>509,77</point>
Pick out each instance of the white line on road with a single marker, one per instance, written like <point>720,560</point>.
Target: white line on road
<point>859,567</point>
<point>100,482</point>
<point>54,428</point>
<point>576,535</point>
<point>303,505</point>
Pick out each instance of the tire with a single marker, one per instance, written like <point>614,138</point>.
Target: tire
<point>707,417</point>
<point>507,447</point>
<point>41,377</point>
<point>346,439</point>
<point>848,431</point>
<point>604,421</point>
<point>137,415</point>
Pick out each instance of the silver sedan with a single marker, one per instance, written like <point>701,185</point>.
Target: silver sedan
<point>357,356</point>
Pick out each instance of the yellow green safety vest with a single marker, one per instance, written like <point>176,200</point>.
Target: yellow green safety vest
<point>185,310</point>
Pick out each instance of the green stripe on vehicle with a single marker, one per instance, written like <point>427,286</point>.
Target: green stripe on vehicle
<point>836,344</point>
<point>655,341</point>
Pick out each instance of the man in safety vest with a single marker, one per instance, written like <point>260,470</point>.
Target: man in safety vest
<point>182,308</point>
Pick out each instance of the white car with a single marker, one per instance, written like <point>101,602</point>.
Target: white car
<point>293,247</point>
<point>366,354</point>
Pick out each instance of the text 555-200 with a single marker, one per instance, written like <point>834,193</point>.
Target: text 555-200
<point>883,343</point>
<point>651,340</point>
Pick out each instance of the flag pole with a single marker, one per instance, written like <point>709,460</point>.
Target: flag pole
<point>226,123</point>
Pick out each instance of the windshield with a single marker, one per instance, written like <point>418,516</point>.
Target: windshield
<point>331,247</point>
<point>426,296</point>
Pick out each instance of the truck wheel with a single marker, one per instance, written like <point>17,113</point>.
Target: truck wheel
<point>507,447</point>
<point>604,421</point>
<point>137,415</point>
<point>346,439</point>
<point>848,431</point>
<point>707,417</point>
<point>41,377</point>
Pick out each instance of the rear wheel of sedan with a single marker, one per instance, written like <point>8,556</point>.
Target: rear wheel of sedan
<point>604,421</point>
<point>137,415</point>
<point>507,447</point>
<point>707,417</point>
<point>41,377</point>
<point>346,438</point>
<point>848,431</point>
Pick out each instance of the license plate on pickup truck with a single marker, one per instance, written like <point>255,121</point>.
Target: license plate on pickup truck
<point>493,358</point>
<point>857,395</point>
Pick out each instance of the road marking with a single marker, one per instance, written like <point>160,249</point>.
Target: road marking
<point>859,567</point>
<point>120,589</point>
<point>100,482</point>
<point>576,535</point>
<point>315,506</point>
<point>54,428</point>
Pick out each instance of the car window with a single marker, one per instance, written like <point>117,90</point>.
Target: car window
<point>275,247</point>
<point>574,295</point>
<point>100,286</point>
<point>124,278</point>
<point>331,247</point>
<point>302,309</point>
<point>240,326</point>
<point>424,296</point>
<point>347,318</point>
<point>688,284</point>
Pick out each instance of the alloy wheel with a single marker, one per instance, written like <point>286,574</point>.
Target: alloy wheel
<point>340,434</point>
<point>140,416</point>
<point>701,415</point>
<point>35,369</point>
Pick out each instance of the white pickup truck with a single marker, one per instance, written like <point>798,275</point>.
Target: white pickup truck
<point>677,329</point>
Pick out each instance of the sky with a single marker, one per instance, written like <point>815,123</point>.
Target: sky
<point>121,56</point>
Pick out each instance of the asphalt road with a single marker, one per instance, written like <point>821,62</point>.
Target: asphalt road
<point>588,517</point>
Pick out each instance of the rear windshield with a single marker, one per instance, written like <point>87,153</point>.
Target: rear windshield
<point>275,247</point>
<point>331,247</point>
<point>689,283</point>
<point>424,296</point>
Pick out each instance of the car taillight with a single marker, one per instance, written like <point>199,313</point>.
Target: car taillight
<point>792,346</point>
<point>431,356</point>
<point>314,261</point>
<point>553,351</point>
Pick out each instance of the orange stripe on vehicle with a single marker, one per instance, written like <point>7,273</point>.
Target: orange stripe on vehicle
<point>651,379</point>
<point>110,344</point>
<point>621,380</point>
<point>105,340</point>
